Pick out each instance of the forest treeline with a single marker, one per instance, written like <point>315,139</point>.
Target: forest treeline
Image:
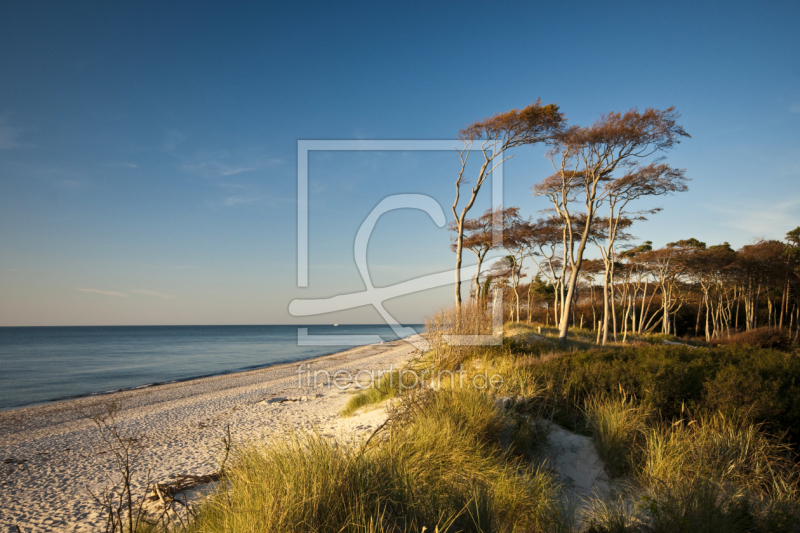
<point>600,173</point>
<point>686,288</point>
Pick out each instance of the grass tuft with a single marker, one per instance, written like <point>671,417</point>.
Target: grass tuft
<point>617,424</point>
<point>440,464</point>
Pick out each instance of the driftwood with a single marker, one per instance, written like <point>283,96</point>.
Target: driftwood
<point>182,483</point>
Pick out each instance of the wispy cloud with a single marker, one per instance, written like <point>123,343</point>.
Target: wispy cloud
<point>9,136</point>
<point>153,293</point>
<point>135,291</point>
<point>105,293</point>
<point>69,184</point>
<point>770,221</point>
<point>243,199</point>
<point>173,139</point>
<point>217,169</point>
<point>221,163</point>
<point>240,200</point>
<point>234,186</point>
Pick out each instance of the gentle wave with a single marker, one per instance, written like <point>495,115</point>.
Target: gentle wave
<point>47,364</point>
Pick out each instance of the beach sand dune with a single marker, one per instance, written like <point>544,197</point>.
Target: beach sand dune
<point>50,454</point>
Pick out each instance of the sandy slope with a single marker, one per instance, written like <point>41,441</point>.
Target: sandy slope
<point>49,454</point>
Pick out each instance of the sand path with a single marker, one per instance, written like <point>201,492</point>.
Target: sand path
<point>49,454</point>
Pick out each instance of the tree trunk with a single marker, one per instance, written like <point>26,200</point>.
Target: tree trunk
<point>625,323</point>
<point>529,302</point>
<point>477,279</point>
<point>785,295</point>
<point>459,252</point>
<point>606,308</point>
<point>613,302</point>
<point>644,311</point>
<point>697,323</point>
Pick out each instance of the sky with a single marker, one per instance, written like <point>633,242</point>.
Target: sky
<point>148,150</point>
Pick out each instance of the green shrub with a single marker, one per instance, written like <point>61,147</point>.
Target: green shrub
<point>761,384</point>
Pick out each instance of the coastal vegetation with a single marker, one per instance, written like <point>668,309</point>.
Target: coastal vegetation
<point>679,363</point>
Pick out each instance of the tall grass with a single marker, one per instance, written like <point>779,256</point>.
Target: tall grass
<point>471,319</point>
<point>389,385</point>
<point>712,474</point>
<point>441,463</point>
<point>724,449</point>
<point>617,424</point>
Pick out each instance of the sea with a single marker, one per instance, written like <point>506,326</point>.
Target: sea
<point>47,364</point>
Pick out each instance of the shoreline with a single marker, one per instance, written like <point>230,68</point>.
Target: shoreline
<point>158,383</point>
<point>55,453</point>
<point>181,380</point>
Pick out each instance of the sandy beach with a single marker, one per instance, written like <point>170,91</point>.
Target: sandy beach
<point>50,454</point>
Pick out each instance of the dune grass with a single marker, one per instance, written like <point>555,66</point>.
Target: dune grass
<point>441,464</point>
<point>724,450</point>
<point>388,386</point>
<point>617,424</point>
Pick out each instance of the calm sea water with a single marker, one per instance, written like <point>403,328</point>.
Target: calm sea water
<point>42,364</point>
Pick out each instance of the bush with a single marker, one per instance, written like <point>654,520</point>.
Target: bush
<point>664,378</point>
<point>760,384</point>
<point>774,338</point>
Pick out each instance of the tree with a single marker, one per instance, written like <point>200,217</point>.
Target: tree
<point>586,161</point>
<point>606,239</point>
<point>711,269</point>
<point>759,267</point>
<point>543,291</point>
<point>518,242</point>
<point>497,134</point>
<point>638,275</point>
<point>479,236</point>
<point>793,255</point>
<point>543,249</point>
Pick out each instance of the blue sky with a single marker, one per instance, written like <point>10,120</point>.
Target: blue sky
<point>148,151</point>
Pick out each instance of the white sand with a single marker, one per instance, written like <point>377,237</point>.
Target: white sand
<point>182,425</point>
<point>577,465</point>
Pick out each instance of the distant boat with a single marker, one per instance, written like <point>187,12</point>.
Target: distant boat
<point>335,325</point>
